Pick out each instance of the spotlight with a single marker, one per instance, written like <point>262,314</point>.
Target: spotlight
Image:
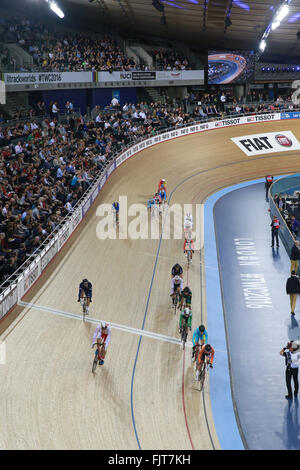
<point>55,8</point>
<point>262,45</point>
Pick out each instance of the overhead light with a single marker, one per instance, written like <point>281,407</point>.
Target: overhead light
<point>282,12</point>
<point>275,25</point>
<point>55,8</point>
<point>262,45</point>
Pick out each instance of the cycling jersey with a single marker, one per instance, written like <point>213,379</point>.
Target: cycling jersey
<point>176,270</point>
<point>150,203</point>
<point>175,284</point>
<point>186,296</point>
<point>116,206</point>
<point>203,354</point>
<point>163,194</point>
<point>198,337</point>
<point>189,319</point>
<point>162,184</point>
<point>188,245</point>
<point>106,336</point>
<point>157,199</point>
<point>86,289</point>
<point>188,222</point>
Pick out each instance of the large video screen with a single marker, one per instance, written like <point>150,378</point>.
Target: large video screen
<point>230,67</point>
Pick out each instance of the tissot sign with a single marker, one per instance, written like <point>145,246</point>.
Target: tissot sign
<point>269,142</point>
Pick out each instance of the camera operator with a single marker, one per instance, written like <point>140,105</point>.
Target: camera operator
<point>291,352</point>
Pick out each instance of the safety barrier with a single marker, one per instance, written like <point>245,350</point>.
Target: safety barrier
<point>280,186</point>
<point>18,287</point>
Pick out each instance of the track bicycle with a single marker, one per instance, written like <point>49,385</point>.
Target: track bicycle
<point>84,308</point>
<point>184,330</point>
<point>189,257</point>
<point>176,301</point>
<point>98,354</point>
<point>200,377</point>
<point>116,216</point>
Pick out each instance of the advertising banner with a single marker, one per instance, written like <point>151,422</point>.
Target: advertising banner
<point>269,142</point>
<point>290,115</point>
<point>35,78</point>
<point>9,300</point>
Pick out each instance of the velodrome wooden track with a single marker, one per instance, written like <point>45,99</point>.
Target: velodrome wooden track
<point>49,398</point>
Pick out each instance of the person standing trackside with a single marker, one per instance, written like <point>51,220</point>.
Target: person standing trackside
<point>275,225</point>
<point>292,356</point>
<point>293,289</point>
<point>295,256</point>
<point>268,182</point>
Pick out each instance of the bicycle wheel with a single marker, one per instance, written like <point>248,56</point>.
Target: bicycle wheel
<point>183,333</point>
<point>84,309</point>
<point>202,378</point>
<point>95,362</point>
<point>175,304</point>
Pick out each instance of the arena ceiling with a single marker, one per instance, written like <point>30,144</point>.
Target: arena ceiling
<point>204,24</point>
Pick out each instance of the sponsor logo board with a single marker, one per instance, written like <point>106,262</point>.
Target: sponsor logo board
<point>269,142</point>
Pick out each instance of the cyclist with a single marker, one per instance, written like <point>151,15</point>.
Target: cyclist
<point>188,220</point>
<point>162,184</point>
<point>188,247</point>
<point>188,225</point>
<point>116,208</point>
<point>177,270</point>
<point>85,289</point>
<point>206,354</point>
<point>176,286</point>
<point>150,203</point>
<point>187,313</point>
<point>186,297</point>
<point>157,198</point>
<point>102,332</point>
<point>163,194</point>
<point>199,337</point>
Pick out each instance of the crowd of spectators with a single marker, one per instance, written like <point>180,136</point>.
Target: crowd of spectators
<point>57,51</point>
<point>47,165</point>
<point>164,59</point>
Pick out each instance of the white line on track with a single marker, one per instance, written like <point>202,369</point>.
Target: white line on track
<point>116,326</point>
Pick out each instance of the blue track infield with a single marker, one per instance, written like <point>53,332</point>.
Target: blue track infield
<point>257,322</point>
